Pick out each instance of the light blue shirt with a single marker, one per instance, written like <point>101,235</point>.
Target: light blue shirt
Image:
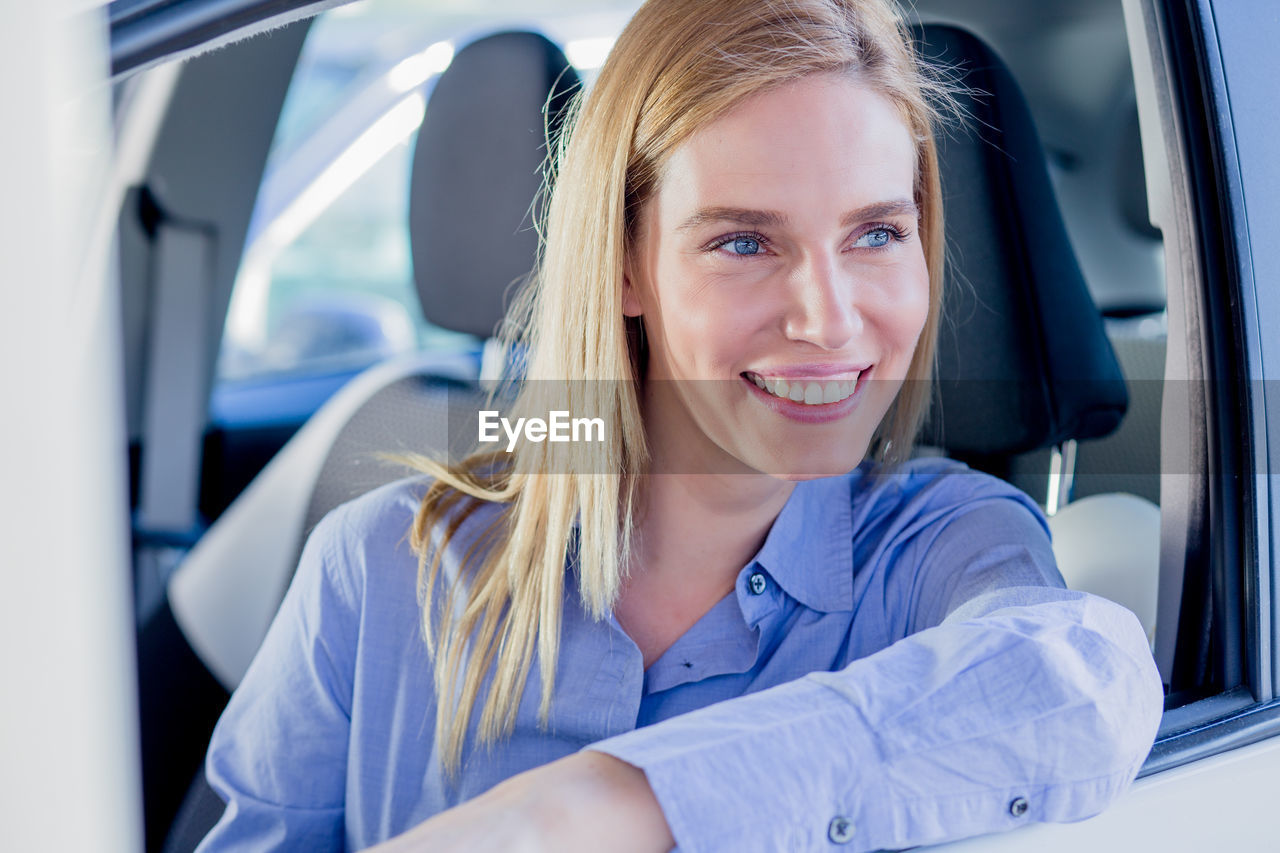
<point>899,664</point>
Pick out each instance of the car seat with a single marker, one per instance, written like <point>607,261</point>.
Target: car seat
<point>1024,362</point>
<point>477,167</point>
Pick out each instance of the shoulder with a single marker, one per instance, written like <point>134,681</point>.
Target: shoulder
<point>934,533</point>
<point>367,540</point>
<point>386,508</point>
<point>354,543</point>
<point>935,516</point>
<point>386,514</point>
<point>369,525</point>
<point>932,492</point>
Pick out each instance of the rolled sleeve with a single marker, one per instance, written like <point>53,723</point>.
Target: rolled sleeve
<point>1015,701</point>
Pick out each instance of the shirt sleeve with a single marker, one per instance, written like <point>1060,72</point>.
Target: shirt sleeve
<point>1016,700</point>
<point>278,755</point>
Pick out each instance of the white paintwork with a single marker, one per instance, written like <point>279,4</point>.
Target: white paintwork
<point>226,591</point>
<point>1223,803</point>
<point>69,775</point>
<point>1109,545</point>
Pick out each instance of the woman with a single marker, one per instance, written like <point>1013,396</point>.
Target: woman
<point>741,621</point>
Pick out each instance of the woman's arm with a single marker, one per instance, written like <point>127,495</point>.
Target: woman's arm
<point>587,802</point>
<point>1015,703</point>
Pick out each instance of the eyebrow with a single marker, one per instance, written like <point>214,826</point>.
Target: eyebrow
<point>774,219</point>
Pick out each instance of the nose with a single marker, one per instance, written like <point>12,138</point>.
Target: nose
<point>822,305</point>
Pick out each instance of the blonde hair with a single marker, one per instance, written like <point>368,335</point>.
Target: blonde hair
<point>676,67</point>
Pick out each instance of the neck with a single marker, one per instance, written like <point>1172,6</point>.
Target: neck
<point>693,534</point>
<point>702,513</point>
<point>699,530</point>
<point>701,516</point>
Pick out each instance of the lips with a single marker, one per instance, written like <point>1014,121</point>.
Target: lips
<point>814,391</point>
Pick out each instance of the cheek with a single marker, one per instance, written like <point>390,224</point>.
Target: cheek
<point>704,316</point>
<point>903,306</point>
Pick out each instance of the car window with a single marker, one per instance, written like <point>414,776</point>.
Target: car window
<point>326,280</point>
<point>335,291</point>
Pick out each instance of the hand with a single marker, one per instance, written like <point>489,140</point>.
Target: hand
<point>588,801</point>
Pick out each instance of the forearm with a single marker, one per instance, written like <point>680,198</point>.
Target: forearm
<point>583,803</point>
<point>609,804</point>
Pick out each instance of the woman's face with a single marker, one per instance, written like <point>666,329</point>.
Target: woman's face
<point>782,283</point>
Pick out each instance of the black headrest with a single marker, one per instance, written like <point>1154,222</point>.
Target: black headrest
<point>1023,358</point>
<point>476,171</point>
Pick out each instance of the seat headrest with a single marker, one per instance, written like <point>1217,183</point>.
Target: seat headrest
<point>476,171</point>
<point>1023,357</point>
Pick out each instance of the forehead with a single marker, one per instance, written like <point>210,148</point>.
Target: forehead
<point>822,143</point>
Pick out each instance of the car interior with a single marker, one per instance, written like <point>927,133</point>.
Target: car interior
<point>254,411</point>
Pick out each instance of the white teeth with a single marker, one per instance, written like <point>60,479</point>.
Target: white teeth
<point>809,393</point>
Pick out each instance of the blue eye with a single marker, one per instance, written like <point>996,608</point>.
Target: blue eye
<point>744,244</point>
<point>876,238</point>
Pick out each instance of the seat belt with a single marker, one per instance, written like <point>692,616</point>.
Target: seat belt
<point>176,401</point>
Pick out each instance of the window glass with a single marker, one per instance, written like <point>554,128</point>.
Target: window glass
<point>326,280</point>
<point>338,295</point>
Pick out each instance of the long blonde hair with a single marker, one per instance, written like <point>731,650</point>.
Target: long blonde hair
<point>676,67</point>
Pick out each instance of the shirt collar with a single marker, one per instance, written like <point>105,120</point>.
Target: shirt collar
<point>809,549</point>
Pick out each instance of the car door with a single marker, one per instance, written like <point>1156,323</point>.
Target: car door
<point>68,724</point>
<point>1210,128</point>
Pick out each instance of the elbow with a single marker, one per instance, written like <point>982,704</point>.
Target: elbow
<point>1110,670</point>
<point>1135,689</point>
<point>1127,722</point>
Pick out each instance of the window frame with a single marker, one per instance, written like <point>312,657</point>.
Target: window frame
<point>145,33</point>
<point>1187,124</point>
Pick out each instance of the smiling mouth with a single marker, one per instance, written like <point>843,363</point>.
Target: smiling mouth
<point>810,392</point>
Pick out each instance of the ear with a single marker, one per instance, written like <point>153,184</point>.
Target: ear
<point>631,306</point>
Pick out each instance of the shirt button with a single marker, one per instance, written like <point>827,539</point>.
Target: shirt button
<point>1018,807</point>
<point>840,830</point>
<point>757,583</point>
